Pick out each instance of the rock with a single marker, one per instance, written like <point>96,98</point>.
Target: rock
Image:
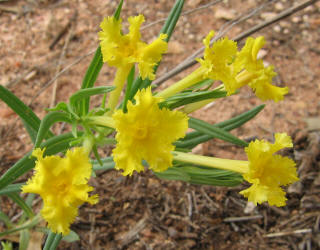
<point>174,47</point>
<point>267,15</point>
<point>296,19</point>
<point>277,28</point>
<point>224,14</point>
<point>262,53</point>
<point>279,6</point>
<point>313,123</point>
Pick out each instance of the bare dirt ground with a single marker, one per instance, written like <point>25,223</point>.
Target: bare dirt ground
<point>143,212</point>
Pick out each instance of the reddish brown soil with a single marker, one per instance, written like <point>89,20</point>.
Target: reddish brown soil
<point>143,212</point>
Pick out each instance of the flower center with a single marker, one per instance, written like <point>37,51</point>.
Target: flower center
<point>140,131</point>
<point>62,188</point>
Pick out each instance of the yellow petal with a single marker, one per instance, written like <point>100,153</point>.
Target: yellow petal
<point>263,88</point>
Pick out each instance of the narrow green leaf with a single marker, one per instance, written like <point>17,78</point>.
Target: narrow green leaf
<point>216,132</point>
<point>53,145</point>
<point>30,119</point>
<point>173,173</point>
<point>90,78</point>
<point>52,241</point>
<point>71,237</point>
<point>85,93</point>
<point>194,138</point>
<point>13,188</point>
<point>5,218</point>
<point>118,10</point>
<point>128,89</point>
<point>24,239</point>
<point>201,175</point>
<point>24,206</point>
<point>107,164</point>
<point>191,97</point>
<point>27,225</point>
<point>46,123</point>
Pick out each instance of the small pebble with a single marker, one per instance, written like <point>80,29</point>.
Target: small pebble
<point>277,28</point>
<point>286,31</point>
<point>279,6</point>
<point>296,19</point>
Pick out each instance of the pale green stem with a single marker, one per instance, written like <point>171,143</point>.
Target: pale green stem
<point>104,120</point>
<point>119,81</point>
<point>189,108</point>
<point>241,167</point>
<point>88,144</point>
<point>244,78</point>
<point>195,77</point>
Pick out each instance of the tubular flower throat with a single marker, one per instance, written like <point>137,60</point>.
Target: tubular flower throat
<point>124,50</point>
<point>146,132</point>
<point>267,171</point>
<point>62,183</point>
<point>236,68</point>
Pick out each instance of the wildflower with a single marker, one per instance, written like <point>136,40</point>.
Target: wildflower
<point>146,132</point>
<point>265,170</point>
<point>62,183</point>
<point>122,51</point>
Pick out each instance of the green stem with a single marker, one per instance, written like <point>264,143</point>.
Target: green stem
<point>119,81</point>
<point>104,120</point>
<point>241,167</point>
<point>195,77</point>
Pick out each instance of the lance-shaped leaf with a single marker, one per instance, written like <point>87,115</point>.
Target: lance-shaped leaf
<point>216,132</point>
<point>194,138</point>
<point>29,118</point>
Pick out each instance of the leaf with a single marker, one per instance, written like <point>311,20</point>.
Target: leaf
<point>201,175</point>
<point>25,207</point>
<point>216,132</point>
<point>29,118</point>
<point>194,138</point>
<point>90,78</point>
<point>52,241</point>
<point>27,225</point>
<point>71,237</point>
<point>128,89</point>
<point>24,239</point>
<point>184,98</point>
<point>85,93</point>
<point>46,123</point>
<point>5,219</point>
<point>13,188</point>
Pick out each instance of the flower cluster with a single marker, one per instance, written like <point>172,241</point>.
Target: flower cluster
<point>146,129</point>
<point>223,62</point>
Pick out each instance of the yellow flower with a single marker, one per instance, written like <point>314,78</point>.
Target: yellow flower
<point>124,50</point>
<point>235,69</point>
<point>267,171</point>
<point>146,132</point>
<point>217,61</point>
<point>62,183</point>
